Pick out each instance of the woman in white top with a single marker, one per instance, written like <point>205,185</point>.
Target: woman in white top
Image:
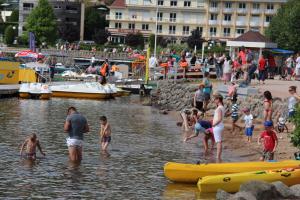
<point>218,125</point>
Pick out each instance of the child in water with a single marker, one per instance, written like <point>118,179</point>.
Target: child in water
<point>105,133</point>
<point>31,143</point>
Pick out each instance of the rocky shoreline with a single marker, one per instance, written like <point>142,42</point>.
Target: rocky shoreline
<point>178,95</point>
<point>254,190</point>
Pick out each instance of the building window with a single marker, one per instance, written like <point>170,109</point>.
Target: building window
<point>227,17</point>
<point>213,31</point>
<point>213,16</point>
<point>145,27</point>
<point>28,6</point>
<point>256,6</point>
<point>270,6</point>
<point>242,5</point>
<point>57,7</point>
<point>118,15</point>
<point>159,28</point>
<point>160,2</point>
<point>226,32</point>
<point>133,1</point>
<point>131,26</point>
<point>186,30</point>
<point>200,29</point>
<point>268,18</point>
<point>213,4</point>
<point>118,25</point>
<point>254,29</point>
<point>172,17</point>
<point>159,16</point>
<point>187,3</point>
<point>172,29</point>
<point>240,31</point>
<point>228,5</point>
<point>173,2</point>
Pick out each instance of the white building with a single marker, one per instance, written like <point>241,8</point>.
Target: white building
<point>216,19</point>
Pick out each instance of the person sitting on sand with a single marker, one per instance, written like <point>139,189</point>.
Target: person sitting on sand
<point>31,144</point>
<point>105,133</point>
<point>270,141</point>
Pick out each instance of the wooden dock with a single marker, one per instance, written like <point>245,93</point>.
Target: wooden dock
<point>9,90</point>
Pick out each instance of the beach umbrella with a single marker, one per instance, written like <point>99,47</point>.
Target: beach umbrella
<point>27,54</point>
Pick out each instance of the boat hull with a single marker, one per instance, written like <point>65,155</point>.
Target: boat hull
<point>45,96</point>
<point>24,95</point>
<point>232,182</point>
<point>82,95</point>
<point>190,173</point>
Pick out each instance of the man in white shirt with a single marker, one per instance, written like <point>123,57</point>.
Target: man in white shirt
<point>297,69</point>
<point>152,62</point>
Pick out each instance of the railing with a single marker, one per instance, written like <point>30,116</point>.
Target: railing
<point>213,22</point>
<point>242,10</point>
<point>227,10</point>
<point>256,11</point>
<point>213,9</point>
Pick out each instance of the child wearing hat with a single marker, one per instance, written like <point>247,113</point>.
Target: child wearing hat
<point>270,141</point>
<point>248,118</point>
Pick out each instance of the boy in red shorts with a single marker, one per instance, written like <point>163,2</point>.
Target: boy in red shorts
<point>270,141</point>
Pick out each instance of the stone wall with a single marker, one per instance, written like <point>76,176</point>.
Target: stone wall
<point>176,96</point>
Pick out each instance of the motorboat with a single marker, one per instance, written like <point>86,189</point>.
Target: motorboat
<point>136,88</point>
<point>87,90</point>
<point>35,91</point>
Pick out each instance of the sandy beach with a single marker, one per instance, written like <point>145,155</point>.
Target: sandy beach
<point>238,145</point>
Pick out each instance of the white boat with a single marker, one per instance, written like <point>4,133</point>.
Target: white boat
<point>88,90</point>
<point>35,91</point>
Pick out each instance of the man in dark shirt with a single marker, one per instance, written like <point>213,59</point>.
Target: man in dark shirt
<point>76,125</point>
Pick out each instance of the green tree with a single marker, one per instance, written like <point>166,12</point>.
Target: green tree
<point>284,27</point>
<point>101,36</point>
<point>68,32</point>
<point>195,39</point>
<point>161,41</point>
<point>42,22</point>
<point>9,35</point>
<point>295,136</point>
<point>135,40</point>
<point>14,17</point>
<point>94,21</point>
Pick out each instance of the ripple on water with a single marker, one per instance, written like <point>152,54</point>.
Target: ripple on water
<point>142,142</point>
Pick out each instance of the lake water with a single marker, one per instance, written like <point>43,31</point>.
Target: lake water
<point>142,142</point>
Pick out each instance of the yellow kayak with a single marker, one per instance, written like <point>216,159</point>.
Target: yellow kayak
<point>190,173</point>
<point>232,182</point>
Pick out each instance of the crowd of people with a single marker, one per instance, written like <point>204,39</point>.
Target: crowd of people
<point>197,121</point>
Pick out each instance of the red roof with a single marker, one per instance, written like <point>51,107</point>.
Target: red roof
<point>252,36</point>
<point>118,4</point>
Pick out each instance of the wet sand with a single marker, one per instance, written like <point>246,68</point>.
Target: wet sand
<point>238,145</point>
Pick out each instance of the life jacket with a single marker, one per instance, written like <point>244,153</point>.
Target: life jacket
<point>104,69</point>
<point>183,64</point>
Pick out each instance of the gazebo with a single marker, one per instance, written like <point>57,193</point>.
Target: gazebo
<point>251,39</point>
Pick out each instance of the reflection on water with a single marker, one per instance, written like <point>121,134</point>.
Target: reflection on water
<point>142,141</point>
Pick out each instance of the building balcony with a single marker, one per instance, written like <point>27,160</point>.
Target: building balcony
<point>228,10</point>
<point>185,33</point>
<point>213,22</point>
<point>214,9</point>
<point>226,34</point>
<point>212,34</point>
<point>27,8</point>
<point>254,24</point>
<point>241,11</point>
<point>121,31</point>
<point>240,23</point>
<point>256,11</point>
<point>226,23</point>
<point>266,24</point>
<point>172,32</point>
<point>270,12</point>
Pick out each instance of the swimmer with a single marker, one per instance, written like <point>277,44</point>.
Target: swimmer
<point>31,143</point>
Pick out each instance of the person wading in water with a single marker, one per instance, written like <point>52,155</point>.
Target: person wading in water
<point>76,125</point>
